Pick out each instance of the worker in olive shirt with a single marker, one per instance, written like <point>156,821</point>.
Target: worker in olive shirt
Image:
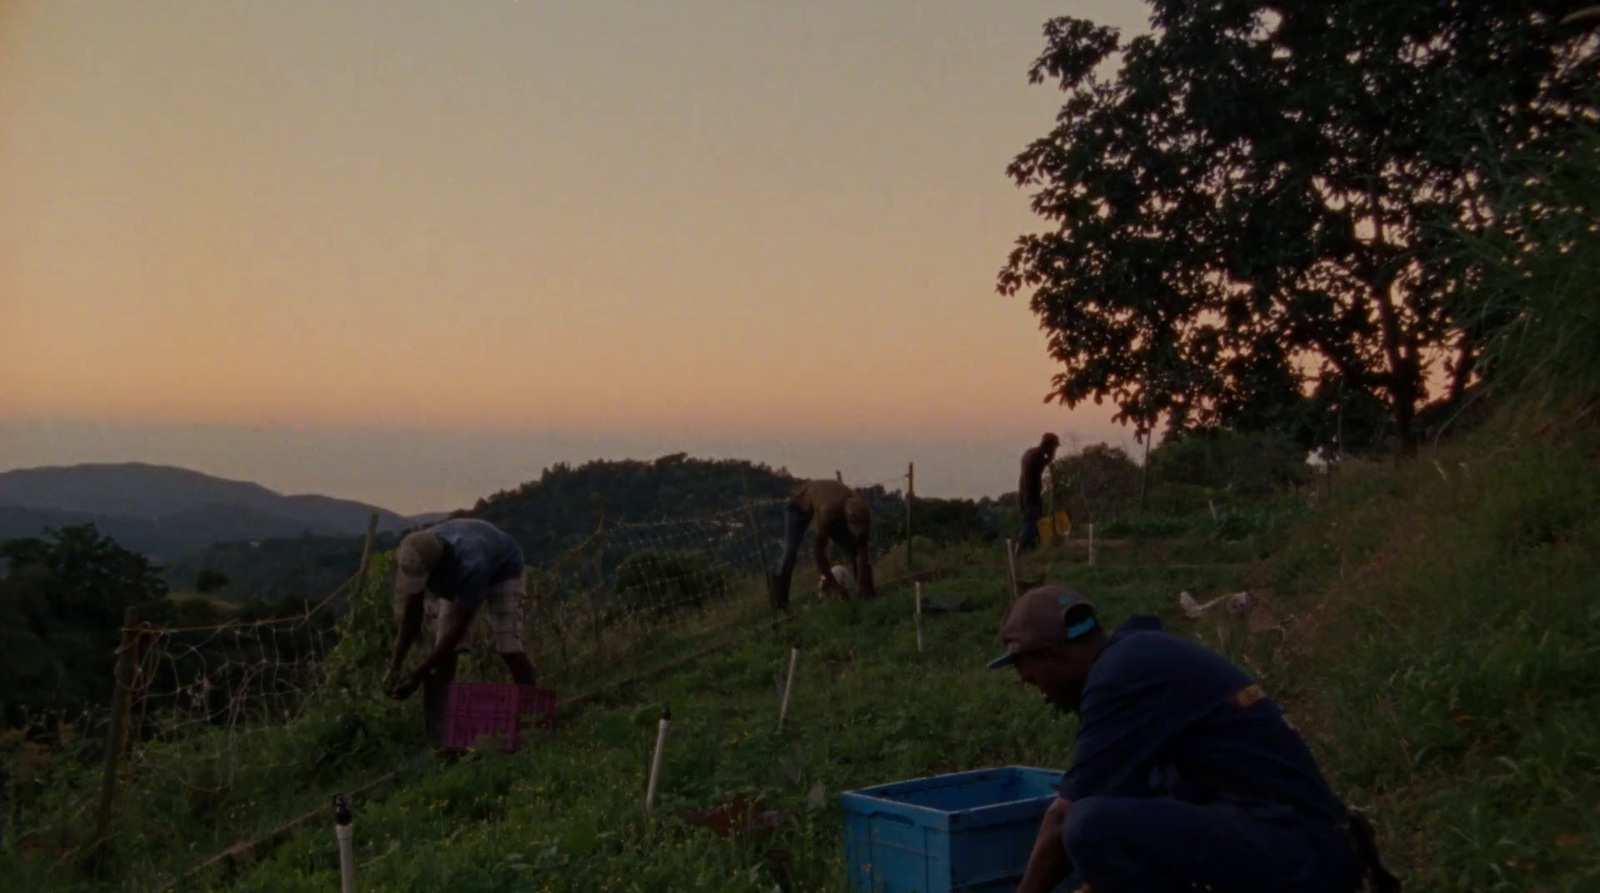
<point>832,511</point>
<point>1185,775</point>
<point>453,570</point>
<point>1030,489</point>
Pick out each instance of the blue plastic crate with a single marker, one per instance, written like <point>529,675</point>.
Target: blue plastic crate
<point>970,831</point>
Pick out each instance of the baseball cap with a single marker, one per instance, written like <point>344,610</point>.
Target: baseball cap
<point>1044,616</point>
<point>415,559</point>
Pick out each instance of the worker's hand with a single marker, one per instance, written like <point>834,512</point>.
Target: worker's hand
<point>827,584</point>
<point>404,688</point>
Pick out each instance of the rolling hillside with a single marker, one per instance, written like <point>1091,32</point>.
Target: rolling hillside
<point>166,512</point>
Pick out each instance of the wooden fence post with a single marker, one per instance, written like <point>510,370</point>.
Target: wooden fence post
<point>1011,566</point>
<point>919,617</point>
<point>116,738</point>
<point>761,545</point>
<point>1050,502</point>
<point>554,612</point>
<point>366,557</point>
<point>911,492</point>
<point>599,588</point>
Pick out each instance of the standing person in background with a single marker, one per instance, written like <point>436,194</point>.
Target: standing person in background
<point>1030,489</point>
<point>832,511</point>
<point>452,570</point>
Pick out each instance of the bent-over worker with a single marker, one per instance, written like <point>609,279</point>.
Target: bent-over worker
<point>834,512</point>
<point>452,571</point>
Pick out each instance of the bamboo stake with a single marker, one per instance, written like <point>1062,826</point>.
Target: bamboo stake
<point>655,761</point>
<point>347,850</point>
<point>788,685</point>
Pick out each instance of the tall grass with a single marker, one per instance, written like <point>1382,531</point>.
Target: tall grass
<point>1450,668</point>
<point>1536,309</point>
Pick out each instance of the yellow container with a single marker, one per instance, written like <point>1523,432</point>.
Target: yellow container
<point>1056,526</point>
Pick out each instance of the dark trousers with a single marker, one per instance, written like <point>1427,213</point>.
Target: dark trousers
<point>795,524</point>
<point>435,694</point>
<point>1160,845</point>
<point>1031,513</point>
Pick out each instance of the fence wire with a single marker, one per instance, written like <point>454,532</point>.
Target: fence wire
<point>206,704</point>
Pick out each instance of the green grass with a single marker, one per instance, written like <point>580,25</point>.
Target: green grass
<point>1441,634</point>
<point>867,708</point>
<point>1454,670</point>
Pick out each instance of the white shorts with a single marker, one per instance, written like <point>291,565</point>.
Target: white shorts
<point>502,606</point>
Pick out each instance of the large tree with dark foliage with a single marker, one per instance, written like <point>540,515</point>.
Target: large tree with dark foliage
<point>1249,216</point>
<point>62,599</point>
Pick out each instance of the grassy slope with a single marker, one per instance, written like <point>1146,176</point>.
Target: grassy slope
<point>867,709</point>
<point>1441,654</point>
<point>1453,670</point>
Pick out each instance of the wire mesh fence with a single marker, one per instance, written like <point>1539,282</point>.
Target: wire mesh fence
<point>217,720</point>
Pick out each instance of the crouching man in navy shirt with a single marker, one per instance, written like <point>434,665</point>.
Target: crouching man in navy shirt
<point>1185,775</point>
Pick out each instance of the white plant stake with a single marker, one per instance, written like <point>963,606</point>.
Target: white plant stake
<point>1091,544</point>
<point>919,617</point>
<point>655,761</point>
<point>788,685</point>
<point>347,849</point>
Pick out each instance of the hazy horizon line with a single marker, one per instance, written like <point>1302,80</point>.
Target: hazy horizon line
<point>414,471</point>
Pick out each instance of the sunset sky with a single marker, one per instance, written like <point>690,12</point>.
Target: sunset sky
<point>414,252</point>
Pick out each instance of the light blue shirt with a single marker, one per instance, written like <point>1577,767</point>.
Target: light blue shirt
<point>477,557</point>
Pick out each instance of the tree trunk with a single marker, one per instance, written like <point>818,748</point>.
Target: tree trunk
<point>1461,375</point>
<point>1405,412</point>
<point>1381,278</point>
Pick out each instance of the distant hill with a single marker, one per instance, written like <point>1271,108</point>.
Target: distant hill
<point>549,515</point>
<point>165,512</point>
<point>558,511</point>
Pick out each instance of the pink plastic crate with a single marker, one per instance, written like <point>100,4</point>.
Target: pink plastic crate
<point>490,714</point>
